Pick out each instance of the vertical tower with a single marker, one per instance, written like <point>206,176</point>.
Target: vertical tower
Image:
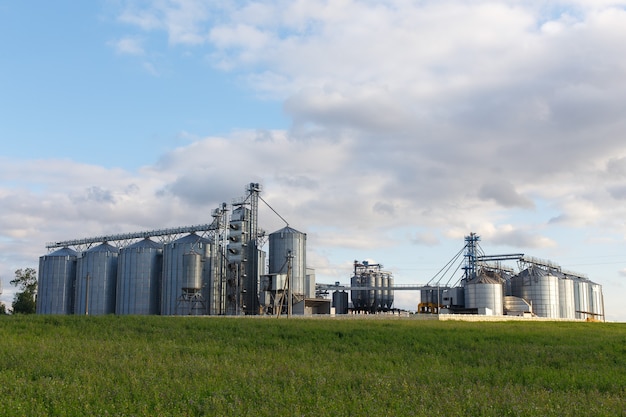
<point>217,275</point>
<point>244,259</point>
<point>471,252</point>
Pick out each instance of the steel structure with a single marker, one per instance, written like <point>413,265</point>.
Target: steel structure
<point>124,239</point>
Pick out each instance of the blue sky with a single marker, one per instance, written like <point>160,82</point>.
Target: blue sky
<point>384,130</point>
<point>74,94</point>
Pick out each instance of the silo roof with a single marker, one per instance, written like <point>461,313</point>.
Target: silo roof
<point>146,243</point>
<point>289,230</point>
<point>104,247</point>
<point>484,279</point>
<point>63,252</point>
<point>192,238</point>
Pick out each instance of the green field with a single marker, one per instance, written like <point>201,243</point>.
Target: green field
<point>183,366</point>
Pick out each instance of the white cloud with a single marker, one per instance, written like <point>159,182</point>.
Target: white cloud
<point>436,115</point>
<point>128,46</point>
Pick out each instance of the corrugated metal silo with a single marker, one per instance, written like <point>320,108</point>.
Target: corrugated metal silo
<point>567,308</point>
<point>581,299</point>
<point>192,271</point>
<point>596,302</point>
<point>484,292</point>
<point>385,292</point>
<point>139,277</point>
<point>96,280</point>
<point>281,243</point>
<point>370,300</point>
<point>358,297</point>
<point>379,302</point>
<point>540,288</point>
<point>179,270</point>
<point>390,293</point>
<point>55,289</point>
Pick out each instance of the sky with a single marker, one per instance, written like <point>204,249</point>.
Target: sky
<point>384,130</point>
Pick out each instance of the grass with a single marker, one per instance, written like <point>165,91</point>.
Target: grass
<point>181,366</point>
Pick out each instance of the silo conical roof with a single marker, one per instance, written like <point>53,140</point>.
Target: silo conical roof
<point>145,243</point>
<point>104,247</point>
<point>191,238</point>
<point>287,230</point>
<point>63,252</point>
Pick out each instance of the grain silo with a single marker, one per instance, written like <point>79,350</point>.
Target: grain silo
<point>540,288</point>
<point>377,293</point>
<point>186,266</point>
<point>567,306</point>
<point>596,301</point>
<point>96,277</point>
<point>139,277</point>
<point>485,293</point>
<point>55,289</point>
<point>289,244</point>
<point>582,308</point>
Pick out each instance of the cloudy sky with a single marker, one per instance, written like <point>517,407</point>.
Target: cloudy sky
<point>385,130</point>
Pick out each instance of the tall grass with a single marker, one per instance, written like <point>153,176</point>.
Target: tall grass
<point>71,366</point>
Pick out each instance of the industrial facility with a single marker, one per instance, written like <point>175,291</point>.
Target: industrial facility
<point>485,287</point>
<point>209,269</point>
<point>220,268</point>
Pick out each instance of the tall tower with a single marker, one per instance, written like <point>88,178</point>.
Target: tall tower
<point>471,252</point>
<point>244,257</point>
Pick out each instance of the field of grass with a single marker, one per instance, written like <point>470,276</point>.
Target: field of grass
<point>183,366</point>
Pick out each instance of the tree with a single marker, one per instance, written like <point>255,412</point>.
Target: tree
<point>3,309</point>
<point>26,281</point>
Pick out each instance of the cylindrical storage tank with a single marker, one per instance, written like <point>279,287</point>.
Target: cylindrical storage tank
<point>390,293</point>
<point>378,301</point>
<point>175,276</point>
<point>385,297</point>
<point>55,289</point>
<point>507,283</point>
<point>595,301</point>
<point>358,296</point>
<point>370,301</point>
<point>566,299</point>
<point>96,280</point>
<point>540,289</point>
<point>282,243</point>
<point>192,271</point>
<point>139,268</point>
<point>340,302</point>
<point>485,293</point>
<point>581,299</point>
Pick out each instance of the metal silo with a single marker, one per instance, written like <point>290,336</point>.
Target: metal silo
<point>540,288</point>
<point>358,296</point>
<point>567,308</point>
<point>596,301</point>
<point>370,300</point>
<point>96,277</point>
<point>180,271</point>
<point>285,242</point>
<point>581,299</point>
<point>484,292</point>
<point>390,293</point>
<point>378,300</point>
<point>55,289</point>
<point>385,292</point>
<point>340,302</point>
<point>139,277</point>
